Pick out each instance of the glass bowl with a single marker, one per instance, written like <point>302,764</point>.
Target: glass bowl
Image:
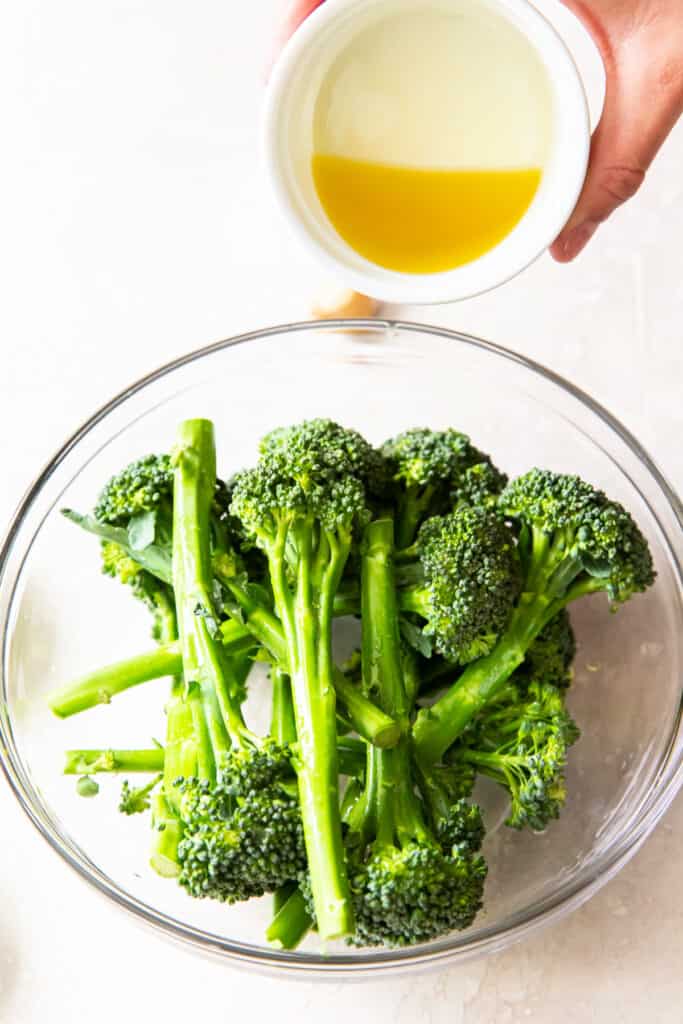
<point>381,377</point>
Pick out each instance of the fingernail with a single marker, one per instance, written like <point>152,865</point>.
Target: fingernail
<point>578,238</point>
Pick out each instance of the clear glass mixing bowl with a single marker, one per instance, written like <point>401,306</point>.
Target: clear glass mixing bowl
<point>60,617</point>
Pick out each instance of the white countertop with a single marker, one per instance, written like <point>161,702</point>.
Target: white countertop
<point>135,227</point>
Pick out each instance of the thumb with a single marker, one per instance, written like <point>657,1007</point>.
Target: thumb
<point>297,11</point>
<point>642,103</point>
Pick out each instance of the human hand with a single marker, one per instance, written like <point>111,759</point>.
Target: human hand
<point>641,43</point>
<point>296,11</point>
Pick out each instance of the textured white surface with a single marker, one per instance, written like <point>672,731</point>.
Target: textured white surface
<point>135,227</point>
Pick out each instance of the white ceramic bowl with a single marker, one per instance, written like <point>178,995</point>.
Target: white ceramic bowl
<point>293,91</point>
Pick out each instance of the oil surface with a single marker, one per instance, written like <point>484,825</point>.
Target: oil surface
<point>420,220</point>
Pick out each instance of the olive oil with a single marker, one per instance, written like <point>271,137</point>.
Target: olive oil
<point>418,220</point>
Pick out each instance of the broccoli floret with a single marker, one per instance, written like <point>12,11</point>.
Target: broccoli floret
<point>415,893</point>
<point>135,513</point>
<point>242,834</point>
<point>479,485</point>
<point>521,741</point>
<point>434,471</point>
<point>345,450</point>
<point>572,541</point>
<point>469,582</point>
<point>411,881</point>
<point>461,828</point>
<point>136,800</point>
<point>142,486</point>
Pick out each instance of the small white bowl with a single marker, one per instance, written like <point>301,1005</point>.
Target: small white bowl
<point>291,98</point>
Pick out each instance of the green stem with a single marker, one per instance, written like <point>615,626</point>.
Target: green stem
<point>381,640</point>
<point>281,895</point>
<point>409,821</point>
<point>180,760</point>
<point>412,506</point>
<point>236,638</point>
<point>100,686</point>
<point>369,721</point>
<point>347,598</point>
<point>352,794</point>
<point>291,922</point>
<point>414,599</point>
<point>437,727</point>
<point>167,834</point>
<point>282,721</point>
<point>352,756</point>
<point>259,622</point>
<point>434,795</point>
<point>407,555</point>
<point>360,811</point>
<point>396,808</point>
<point>204,665</point>
<point>317,761</point>
<point>88,762</point>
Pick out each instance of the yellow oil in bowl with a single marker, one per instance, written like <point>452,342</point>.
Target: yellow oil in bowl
<point>421,221</point>
<point>431,130</point>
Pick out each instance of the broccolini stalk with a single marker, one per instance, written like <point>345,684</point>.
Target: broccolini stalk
<point>291,922</point>
<point>88,762</point>
<point>408,886</point>
<point>301,504</point>
<point>100,686</point>
<point>282,721</point>
<point>180,758</point>
<point>291,918</point>
<point>573,541</point>
<point>242,833</point>
<point>208,686</point>
<point>382,660</point>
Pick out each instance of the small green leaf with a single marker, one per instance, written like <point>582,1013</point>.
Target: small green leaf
<point>416,638</point>
<point>142,530</point>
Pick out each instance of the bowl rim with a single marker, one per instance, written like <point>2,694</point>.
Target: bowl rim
<point>521,923</point>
